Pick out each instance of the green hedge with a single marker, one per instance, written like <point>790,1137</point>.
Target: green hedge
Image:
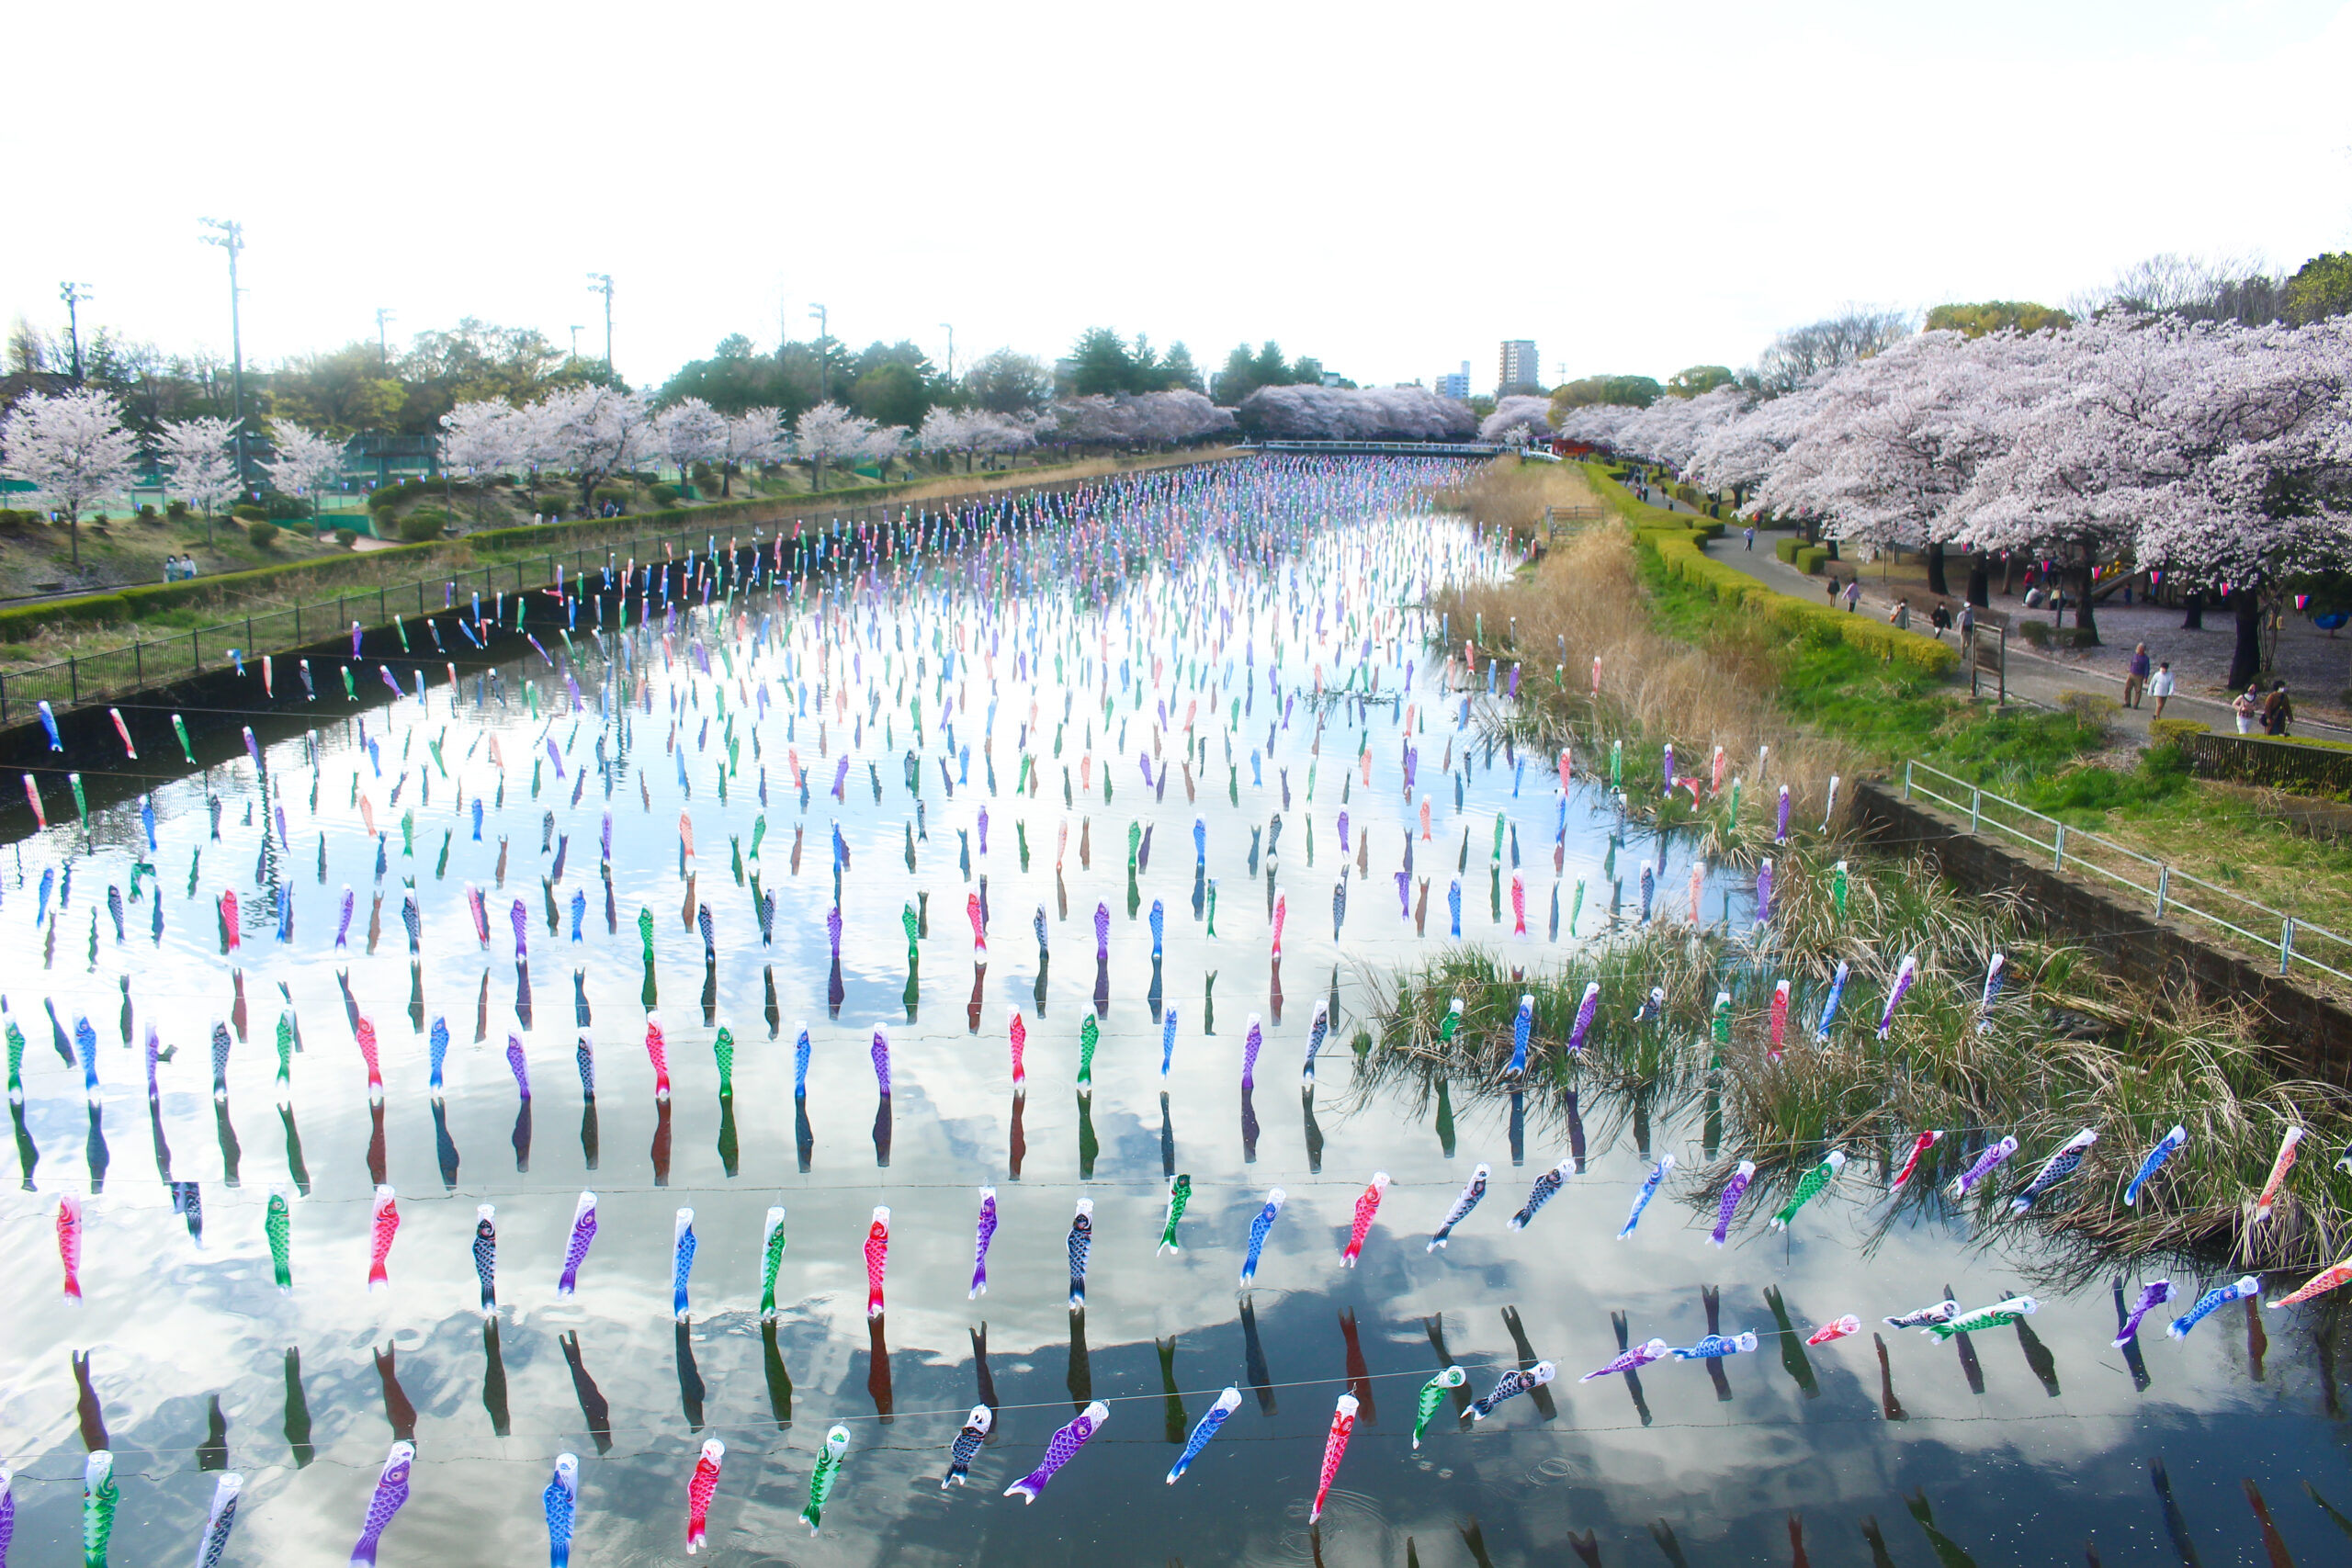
<point>2305,767</point>
<point>1679,553</point>
<point>1787,550</point>
<point>24,622</point>
<point>148,598</point>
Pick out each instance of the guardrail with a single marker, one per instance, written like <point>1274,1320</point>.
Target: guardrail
<point>2081,851</point>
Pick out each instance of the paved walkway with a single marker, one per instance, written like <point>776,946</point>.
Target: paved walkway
<point>2032,677</point>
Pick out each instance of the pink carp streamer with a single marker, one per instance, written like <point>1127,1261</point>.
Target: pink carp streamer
<point>656,1052</point>
<point>69,1242</point>
<point>1335,1448</point>
<point>2278,1169</point>
<point>388,1224</point>
<point>877,1259</point>
<point>1017,1034</point>
<point>1924,1142</point>
<point>699,1492</point>
<point>1367,1206</point>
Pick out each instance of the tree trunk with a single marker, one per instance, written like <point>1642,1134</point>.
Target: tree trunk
<point>2086,619</point>
<point>1979,583</point>
<point>1935,583</point>
<point>2194,603</point>
<point>73,528</point>
<point>726,480</point>
<point>2246,658</point>
<point>2009,573</point>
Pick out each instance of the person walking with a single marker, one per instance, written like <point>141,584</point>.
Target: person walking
<point>1967,626</point>
<point>2136,676</point>
<point>1900,616</point>
<point>2277,711</point>
<point>1830,587</point>
<point>1854,594</point>
<point>1751,535</point>
<point>1940,618</point>
<point>2247,705</point>
<point>2160,686</point>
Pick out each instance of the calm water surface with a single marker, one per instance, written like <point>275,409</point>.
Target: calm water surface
<point>2019,1448</point>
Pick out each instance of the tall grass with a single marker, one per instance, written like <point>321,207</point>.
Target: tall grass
<point>2064,1047</point>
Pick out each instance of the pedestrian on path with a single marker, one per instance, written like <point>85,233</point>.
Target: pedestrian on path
<point>2136,676</point>
<point>2247,705</point>
<point>2160,687</point>
<point>1751,535</point>
<point>1967,626</point>
<point>2277,711</point>
<point>1831,588</point>
<point>1940,618</point>
<point>1854,594</point>
<point>1900,616</point>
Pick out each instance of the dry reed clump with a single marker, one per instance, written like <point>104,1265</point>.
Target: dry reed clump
<point>1510,495</point>
<point>1585,602</point>
<point>2063,1048</point>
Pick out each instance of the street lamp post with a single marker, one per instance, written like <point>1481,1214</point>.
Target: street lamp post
<point>229,235</point>
<point>383,348</point>
<point>951,349</point>
<point>602,283</point>
<point>824,334</point>
<point>73,294</point>
<point>575,339</point>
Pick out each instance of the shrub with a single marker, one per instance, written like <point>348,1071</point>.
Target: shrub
<point>176,510</point>
<point>2173,732</point>
<point>1680,554</point>
<point>665,495</point>
<point>1810,558</point>
<point>386,495</point>
<point>423,524</point>
<point>347,537</point>
<point>261,532</point>
<point>2092,711</point>
<point>147,514</point>
<point>249,512</point>
<point>612,495</point>
<point>1787,549</point>
<point>287,508</point>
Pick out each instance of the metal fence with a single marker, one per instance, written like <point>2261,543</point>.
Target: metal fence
<point>2169,889</point>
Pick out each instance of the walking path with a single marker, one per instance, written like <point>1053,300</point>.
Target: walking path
<point>2032,677</point>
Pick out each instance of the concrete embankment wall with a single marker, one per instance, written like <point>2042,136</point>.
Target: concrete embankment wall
<point>2308,1027</point>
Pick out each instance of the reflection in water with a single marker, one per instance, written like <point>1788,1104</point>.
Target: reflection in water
<point>729,1149</point>
<point>2037,1357</point>
<point>1518,1128</point>
<point>27,1154</point>
<point>1792,1356</point>
<point>660,1152</point>
<point>1474,1541</point>
<point>882,1131</point>
<point>1632,1380</point>
<point>297,1411</point>
<point>87,1408</point>
<point>1663,1533</point>
<point>1878,1557</point>
<point>1359,1373</point>
<point>229,1151</point>
<point>877,1368</point>
<point>396,1408</point>
<point>1948,1551</point>
<point>1586,1547</point>
<point>1081,1379</point>
<point>592,1403</point>
<point>1888,1403</point>
<point>2257,1343</point>
<point>984,1379</point>
<point>213,1452</point>
<point>95,1151</point>
<point>522,1138</point>
<point>444,1148</point>
<point>690,1384</point>
<point>297,1170</point>
<point>2175,1525</point>
<point>1087,1147</point>
<point>779,1381</point>
<point>1444,1118</point>
<point>588,1133</point>
<point>1172,1400</point>
<point>1540,1396</point>
<point>162,1146</point>
<point>804,1136</point>
<point>375,1144</point>
<point>1253,1353</point>
<point>1249,1128</point>
<point>1969,1367</point>
<point>1017,1145</point>
<point>493,1378</point>
<point>1313,1130</point>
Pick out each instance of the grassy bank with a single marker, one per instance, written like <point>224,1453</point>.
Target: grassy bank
<point>2064,1048</point>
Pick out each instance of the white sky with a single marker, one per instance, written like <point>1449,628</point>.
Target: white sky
<point>1391,188</point>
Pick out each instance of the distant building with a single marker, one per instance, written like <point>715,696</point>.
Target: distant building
<point>1455,386</point>
<point>1333,379</point>
<point>1519,372</point>
<point>1065,378</point>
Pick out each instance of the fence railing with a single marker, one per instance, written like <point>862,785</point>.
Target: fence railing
<point>2167,888</point>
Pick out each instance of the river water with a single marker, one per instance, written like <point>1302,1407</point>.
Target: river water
<point>2019,1445</point>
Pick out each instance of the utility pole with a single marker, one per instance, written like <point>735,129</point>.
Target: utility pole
<point>951,349</point>
<point>73,294</point>
<point>383,349</point>
<point>229,235</point>
<point>824,335</point>
<point>602,283</point>
<point>575,339</point>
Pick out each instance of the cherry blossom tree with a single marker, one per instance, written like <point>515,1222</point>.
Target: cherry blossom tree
<point>481,439</point>
<point>689,432</point>
<point>882,444</point>
<point>1517,418</point>
<point>1306,412</point>
<point>597,432</point>
<point>305,462</point>
<point>755,435</point>
<point>72,448</point>
<point>828,432</point>
<point>203,470</point>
